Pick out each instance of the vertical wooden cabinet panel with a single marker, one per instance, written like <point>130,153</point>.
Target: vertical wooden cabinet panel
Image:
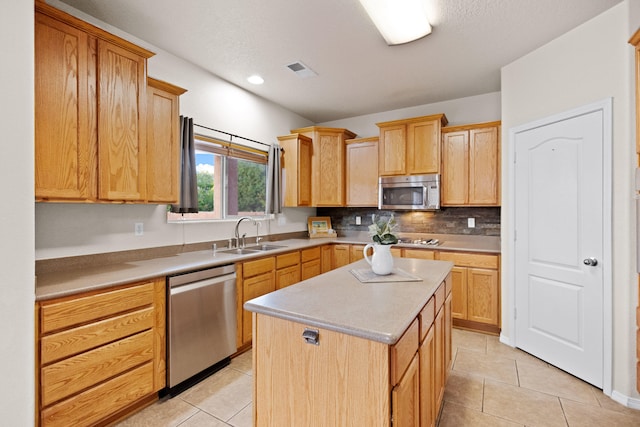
<point>448,349</point>
<point>65,108</point>
<point>392,150</point>
<point>483,293</point>
<point>428,407</point>
<point>326,258</point>
<point>484,162</point>
<point>405,397</point>
<point>455,171</point>
<point>341,255</point>
<point>163,141</point>
<point>439,374</point>
<point>362,172</point>
<point>121,123</point>
<point>459,291</point>
<point>423,147</point>
<point>296,169</point>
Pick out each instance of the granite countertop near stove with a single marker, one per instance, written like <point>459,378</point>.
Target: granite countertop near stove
<point>102,275</point>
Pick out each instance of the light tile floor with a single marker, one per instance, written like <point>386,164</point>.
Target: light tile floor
<point>490,385</point>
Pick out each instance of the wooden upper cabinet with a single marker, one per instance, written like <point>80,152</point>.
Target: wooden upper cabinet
<point>471,165</point>
<point>455,168</point>
<point>362,172</point>
<point>296,169</point>
<point>90,93</point>
<point>163,141</point>
<point>327,164</point>
<point>65,111</point>
<point>121,123</point>
<point>410,146</point>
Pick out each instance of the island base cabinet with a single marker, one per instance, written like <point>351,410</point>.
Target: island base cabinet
<point>309,376</point>
<point>341,381</point>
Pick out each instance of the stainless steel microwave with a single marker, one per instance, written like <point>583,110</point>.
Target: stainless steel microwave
<point>415,192</point>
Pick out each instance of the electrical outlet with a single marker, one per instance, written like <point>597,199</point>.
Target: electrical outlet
<point>138,229</point>
<point>471,222</point>
<point>358,220</point>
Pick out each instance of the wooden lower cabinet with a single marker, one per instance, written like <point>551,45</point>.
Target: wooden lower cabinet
<point>100,354</point>
<point>311,263</point>
<point>405,397</point>
<point>476,290</point>
<point>347,380</point>
<point>255,278</point>
<point>287,269</point>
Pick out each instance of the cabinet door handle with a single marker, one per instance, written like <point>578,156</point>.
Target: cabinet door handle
<point>311,336</point>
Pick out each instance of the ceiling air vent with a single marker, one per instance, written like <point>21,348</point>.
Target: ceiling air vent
<point>301,70</point>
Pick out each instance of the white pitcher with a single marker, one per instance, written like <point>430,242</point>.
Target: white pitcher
<point>381,261</point>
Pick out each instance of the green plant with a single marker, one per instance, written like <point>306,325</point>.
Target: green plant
<point>382,230</point>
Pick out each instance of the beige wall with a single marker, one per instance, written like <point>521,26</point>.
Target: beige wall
<point>588,64</point>
<point>472,109</point>
<point>16,216</point>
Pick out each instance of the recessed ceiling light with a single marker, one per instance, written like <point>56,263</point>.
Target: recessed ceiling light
<point>255,79</point>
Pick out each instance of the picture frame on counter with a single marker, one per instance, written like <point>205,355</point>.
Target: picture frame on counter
<point>320,226</point>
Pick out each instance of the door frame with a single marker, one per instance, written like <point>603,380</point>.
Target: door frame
<point>606,106</point>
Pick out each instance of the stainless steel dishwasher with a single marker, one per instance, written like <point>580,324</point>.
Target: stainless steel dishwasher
<point>201,325</point>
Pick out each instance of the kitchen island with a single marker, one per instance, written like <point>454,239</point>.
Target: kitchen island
<point>333,350</point>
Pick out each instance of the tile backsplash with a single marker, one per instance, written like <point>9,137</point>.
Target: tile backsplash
<point>444,221</point>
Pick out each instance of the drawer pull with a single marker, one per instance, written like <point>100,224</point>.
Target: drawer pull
<point>311,336</point>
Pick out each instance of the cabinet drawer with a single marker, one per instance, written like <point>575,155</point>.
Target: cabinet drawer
<point>287,260</point>
<point>403,351</point>
<point>253,268</point>
<point>418,253</point>
<point>310,254</point>
<point>85,370</point>
<point>101,401</point>
<point>71,312</point>
<point>258,285</point>
<point>83,338</point>
<point>463,259</point>
<point>287,276</point>
<point>310,269</point>
<point>427,316</point>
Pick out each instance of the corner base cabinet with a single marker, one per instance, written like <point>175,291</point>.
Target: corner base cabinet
<point>99,355</point>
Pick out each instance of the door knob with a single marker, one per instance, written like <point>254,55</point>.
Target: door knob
<point>591,261</point>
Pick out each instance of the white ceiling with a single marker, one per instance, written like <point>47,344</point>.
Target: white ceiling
<point>357,72</point>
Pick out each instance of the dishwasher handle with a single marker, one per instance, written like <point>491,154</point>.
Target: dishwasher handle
<point>202,283</point>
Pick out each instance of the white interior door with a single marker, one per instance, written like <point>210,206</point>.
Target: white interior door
<point>560,212</point>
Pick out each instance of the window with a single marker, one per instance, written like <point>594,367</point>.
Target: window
<point>231,181</point>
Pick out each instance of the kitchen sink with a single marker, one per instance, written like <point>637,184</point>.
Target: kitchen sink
<point>238,251</point>
<point>251,249</point>
<point>265,247</point>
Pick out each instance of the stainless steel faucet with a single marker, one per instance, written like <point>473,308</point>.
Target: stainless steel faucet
<point>237,233</point>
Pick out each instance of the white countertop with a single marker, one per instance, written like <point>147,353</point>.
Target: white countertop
<point>338,301</point>
<point>69,282</point>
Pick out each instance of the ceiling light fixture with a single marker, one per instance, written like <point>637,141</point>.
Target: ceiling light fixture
<point>399,21</point>
<point>255,79</point>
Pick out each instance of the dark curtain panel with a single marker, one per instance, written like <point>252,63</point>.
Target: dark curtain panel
<point>188,181</point>
<point>274,181</point>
